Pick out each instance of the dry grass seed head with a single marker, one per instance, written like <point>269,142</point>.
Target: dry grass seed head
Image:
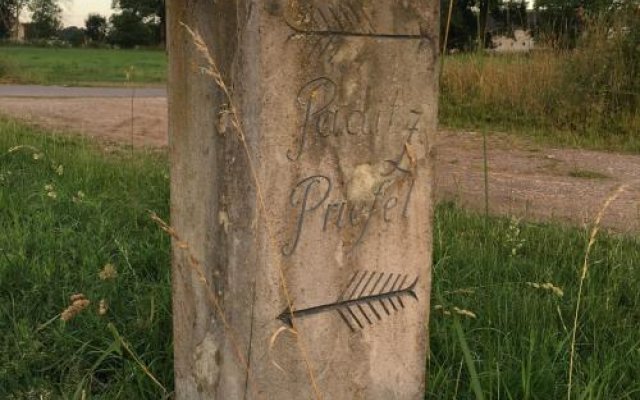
<point>103,307</point>
<point>78,303</point>
<point>556,290</point>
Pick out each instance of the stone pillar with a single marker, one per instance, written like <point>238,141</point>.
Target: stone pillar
<point>314,281</point>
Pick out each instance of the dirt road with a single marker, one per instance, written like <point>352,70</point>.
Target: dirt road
<point>142,121</point>
<point>539,183</point>
<point>525,180</point>
<point>68,91</point>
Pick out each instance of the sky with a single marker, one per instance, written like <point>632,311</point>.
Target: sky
<point>74,12</point>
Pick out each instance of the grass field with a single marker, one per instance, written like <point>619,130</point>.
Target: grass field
<point>521,282</point>
<point>68,209</point>
<point>84,67</point>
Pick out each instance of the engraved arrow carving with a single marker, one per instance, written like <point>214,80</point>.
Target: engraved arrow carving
<point>368,297</point>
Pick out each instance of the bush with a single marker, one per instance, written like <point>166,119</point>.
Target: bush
<point>6,70</point>
<point>73,35</point>
<point>46,43</point>
<point>604,73</point>
<point>588,96</point>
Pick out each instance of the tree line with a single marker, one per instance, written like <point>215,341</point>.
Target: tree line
<point>134,23</point>
<point>467,24</point>
<point>470,24</point>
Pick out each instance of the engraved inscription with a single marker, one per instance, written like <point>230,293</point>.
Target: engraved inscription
<point>354,125</point>
<point>312,198</point>
<point>325,117</point>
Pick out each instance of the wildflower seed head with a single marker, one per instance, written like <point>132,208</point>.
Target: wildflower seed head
<point>78,197</point>
<point>108,272</point>
<point>513,238</point>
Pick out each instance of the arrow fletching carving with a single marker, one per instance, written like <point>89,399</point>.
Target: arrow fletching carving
<point>368,297</point>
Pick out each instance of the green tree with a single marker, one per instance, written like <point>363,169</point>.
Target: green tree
<point>129,30</point>
<point>151,12</point>
<point>45,18</point>
<point>96,27</point>
<point>7,19</point>
<point>501,12</point>
<point>510,15</point>
<point>9,15</point>
<point>470,20</point>
<point>560,22</point>
<point>73,35</point>
<point>463,30</point>
<point>483,19</point>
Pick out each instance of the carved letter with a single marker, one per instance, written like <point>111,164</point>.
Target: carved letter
<point>405,211</point>
<point>372,210</point>
<point>305,187</point>
<point>316,96</point>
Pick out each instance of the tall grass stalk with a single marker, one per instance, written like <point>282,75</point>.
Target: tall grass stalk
<point>446,33</point>
<point>211,69</point>
<point>486,174</point>
<point>468,359</point>
<point>197,266</point>
<point>129,81</point>
<point>585,268</point>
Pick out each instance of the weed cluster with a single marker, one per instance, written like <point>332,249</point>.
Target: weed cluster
<point>518,344</point>
<point>80,262</point>
<point>6,69</point>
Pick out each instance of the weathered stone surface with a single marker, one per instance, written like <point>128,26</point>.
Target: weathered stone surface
<point>338,103</point>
